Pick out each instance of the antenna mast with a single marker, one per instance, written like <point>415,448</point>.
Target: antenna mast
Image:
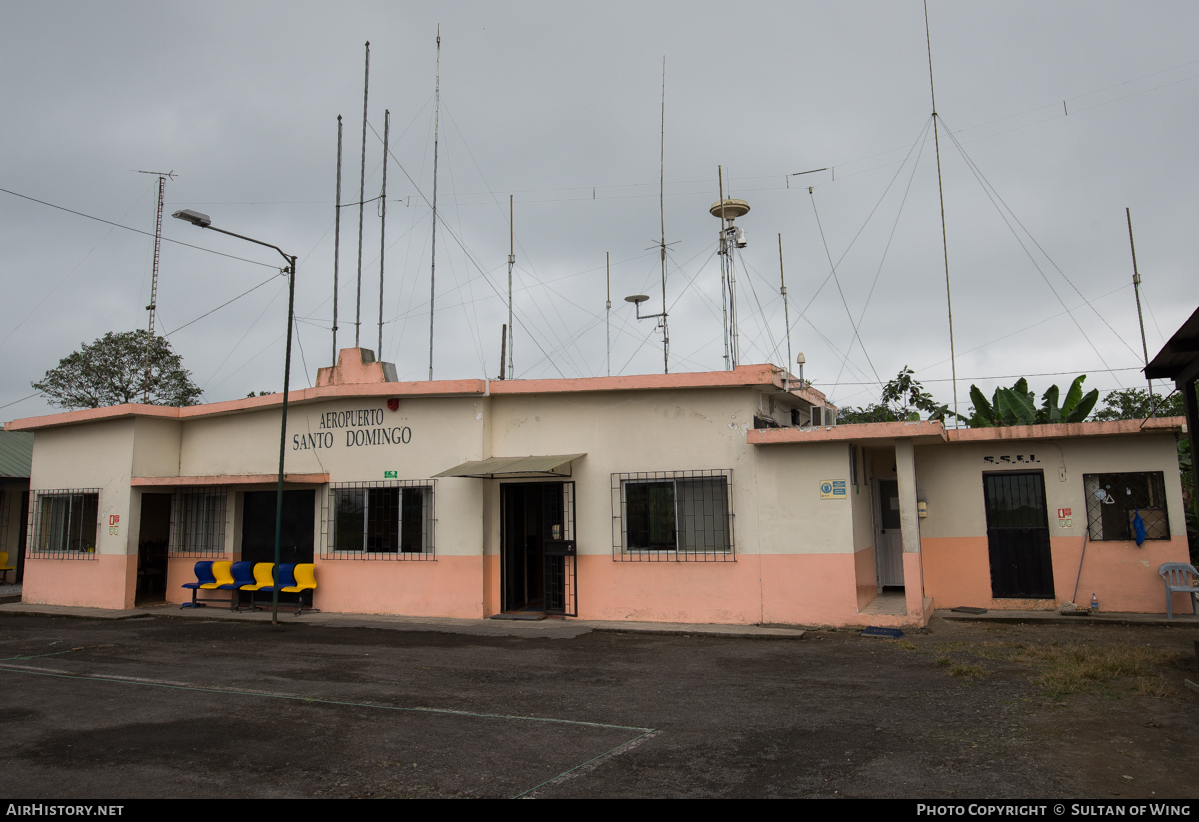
<point>1136,286</point>
<point>336,240</point>
<point>953,366</point>
<point>731,238</point>
<point>608,311</point>
<point>786,312</point>
<point>511,262</point>
<point>362,197</point>
<point>163,176</point>
<point>433,262</point>
<point>724,307</point>
<point>383,224</point>
<point>662,216</point>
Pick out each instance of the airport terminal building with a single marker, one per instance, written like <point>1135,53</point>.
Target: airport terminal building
<point>717,497</point>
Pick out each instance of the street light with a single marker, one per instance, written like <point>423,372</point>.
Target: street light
<point>204,221</point>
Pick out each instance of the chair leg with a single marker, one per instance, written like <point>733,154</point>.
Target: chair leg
<point>1169,603</point>
<point>1194,607</point>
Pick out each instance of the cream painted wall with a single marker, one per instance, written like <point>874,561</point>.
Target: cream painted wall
<point>950,477</point>
<point>156,447</point>
<point>99,455</point>
<point>792,517</point>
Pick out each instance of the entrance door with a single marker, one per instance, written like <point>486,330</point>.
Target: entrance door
<point>154,535</point>
<point>538,548</point>
<point>258,527</point>
<point>1018,536</point>
<point>889,553</point>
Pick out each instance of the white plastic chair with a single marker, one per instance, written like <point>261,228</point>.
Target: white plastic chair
<point>1180,578</point>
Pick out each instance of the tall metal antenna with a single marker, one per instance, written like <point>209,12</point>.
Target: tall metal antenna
<point>383,224</point>
<point>163,176</point>
<point>953,366</point>
<point>786,312</point>
<point>724,307</point>
<point>362,197</point>
<point>608,308</point>
<point>433,262</point>
<point>336,240</point>
<point>731,239</point>
<point>511,262</point>
<point>662,215</point>
<point>1136,287</point>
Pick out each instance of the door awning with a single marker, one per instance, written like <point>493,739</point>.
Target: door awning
<point>514,467</point>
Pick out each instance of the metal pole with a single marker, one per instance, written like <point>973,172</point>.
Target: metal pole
<point>953,367</point>
<point>503,349</point>
<point>724,308</point>
<point>336,240</point>
<point>608,309</point>
<point>153,306</point>
<point>1136,287</point>
<point>291,301</point>
<point>511,262</point>
<point>786,312</point>
<point>362,197</point>
<point>383,225</point>
<point>433,258</point>
<point>662,216</point>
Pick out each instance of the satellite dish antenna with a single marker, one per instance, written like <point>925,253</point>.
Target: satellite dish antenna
<point>637,298</point>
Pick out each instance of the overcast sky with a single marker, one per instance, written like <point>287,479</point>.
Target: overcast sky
<point>560,105</point>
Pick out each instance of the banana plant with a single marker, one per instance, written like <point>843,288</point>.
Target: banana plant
<point>1017,406</point>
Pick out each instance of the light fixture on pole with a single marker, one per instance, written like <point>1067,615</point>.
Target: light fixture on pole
<point>204,221</point>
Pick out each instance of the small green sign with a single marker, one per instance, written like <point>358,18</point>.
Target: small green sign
<point>391,475</point>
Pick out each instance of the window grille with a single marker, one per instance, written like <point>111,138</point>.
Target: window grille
<point>64,524</point>
<point>392,520</point>
<point>672,516</point>
<point>1114,500</point>
<point>198,522</point>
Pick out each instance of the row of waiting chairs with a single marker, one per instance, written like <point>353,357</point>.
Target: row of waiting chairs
<point>254,577</point>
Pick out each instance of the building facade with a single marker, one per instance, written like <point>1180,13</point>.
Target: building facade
<point>713,497</point>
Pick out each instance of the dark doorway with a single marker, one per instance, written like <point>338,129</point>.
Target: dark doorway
<point>537,571</point>
<point>258,527</point>
<point>154,536</point>
<point>1018,536</point>
<point>22,536</point>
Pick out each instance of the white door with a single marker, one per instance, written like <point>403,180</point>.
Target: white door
<point>888,551</point>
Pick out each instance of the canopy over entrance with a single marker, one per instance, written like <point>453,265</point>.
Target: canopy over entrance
<point>515,467</point>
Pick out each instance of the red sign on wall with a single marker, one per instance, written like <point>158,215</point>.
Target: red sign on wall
<point>1062,513</point>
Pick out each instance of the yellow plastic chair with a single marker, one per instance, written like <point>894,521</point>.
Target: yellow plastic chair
<point>305,574</point>
<point>5,567</point>
<point>223,573</point>
<point>262,576</point>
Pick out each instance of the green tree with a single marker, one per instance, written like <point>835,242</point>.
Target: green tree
<point>902,398</point>
<point>1133,404</point>
<point>112,371</point>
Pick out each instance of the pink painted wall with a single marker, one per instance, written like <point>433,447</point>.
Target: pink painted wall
<point>450,586</point>
<point>799,589</point>
<point>491,584</point>
<point>866,576</point>
<point>957,571</point>
<point>183,569</point>
<point>108,581</point>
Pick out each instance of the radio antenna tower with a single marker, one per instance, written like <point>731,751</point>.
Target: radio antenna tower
<point>163,176</point>
<point>433,256</point>
<point>366,87</point>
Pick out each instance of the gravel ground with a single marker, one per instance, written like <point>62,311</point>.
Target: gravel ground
<point>191,708</point>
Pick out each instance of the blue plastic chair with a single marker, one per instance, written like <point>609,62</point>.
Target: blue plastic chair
<point>243,574</point>
<point>204,576</point>
<point>285,577</point>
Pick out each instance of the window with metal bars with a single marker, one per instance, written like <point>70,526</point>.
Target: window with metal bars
<point>1115,500</point>
<point>672,516</point>
<point>379,520</point>
<point>198,522</point>
<point>64,524</point>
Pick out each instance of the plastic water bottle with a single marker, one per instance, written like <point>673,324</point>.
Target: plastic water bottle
<point>1094,604</point>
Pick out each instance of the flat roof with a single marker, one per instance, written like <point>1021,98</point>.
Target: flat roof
<point>743,376</point>
<point>926,432</point>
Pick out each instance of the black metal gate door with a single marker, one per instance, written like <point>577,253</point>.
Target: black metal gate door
<point>1018,536</point>
<point>558,513</point>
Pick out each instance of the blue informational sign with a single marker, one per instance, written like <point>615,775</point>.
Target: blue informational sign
<point>832,489</point>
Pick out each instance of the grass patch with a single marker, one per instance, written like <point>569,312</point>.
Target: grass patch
<point>967,671</point>
<point>943,662</point>
<point>1154,686</point>
<point>1071,668</point>
<point>906,644</point>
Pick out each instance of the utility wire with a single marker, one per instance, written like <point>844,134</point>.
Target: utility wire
<point>222,305</point>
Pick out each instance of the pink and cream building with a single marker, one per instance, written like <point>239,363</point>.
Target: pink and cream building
<point>725,497</point>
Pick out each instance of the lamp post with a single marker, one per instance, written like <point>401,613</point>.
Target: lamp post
<point>204,221</point>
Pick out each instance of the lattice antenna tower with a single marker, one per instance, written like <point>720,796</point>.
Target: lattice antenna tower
<point>163,176</point>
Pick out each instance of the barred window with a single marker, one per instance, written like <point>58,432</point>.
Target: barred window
<point>198,522</point>
<point>1115,500</point>
<point>380,520</point>
<point>672,516</point>
<point>64,523</point>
